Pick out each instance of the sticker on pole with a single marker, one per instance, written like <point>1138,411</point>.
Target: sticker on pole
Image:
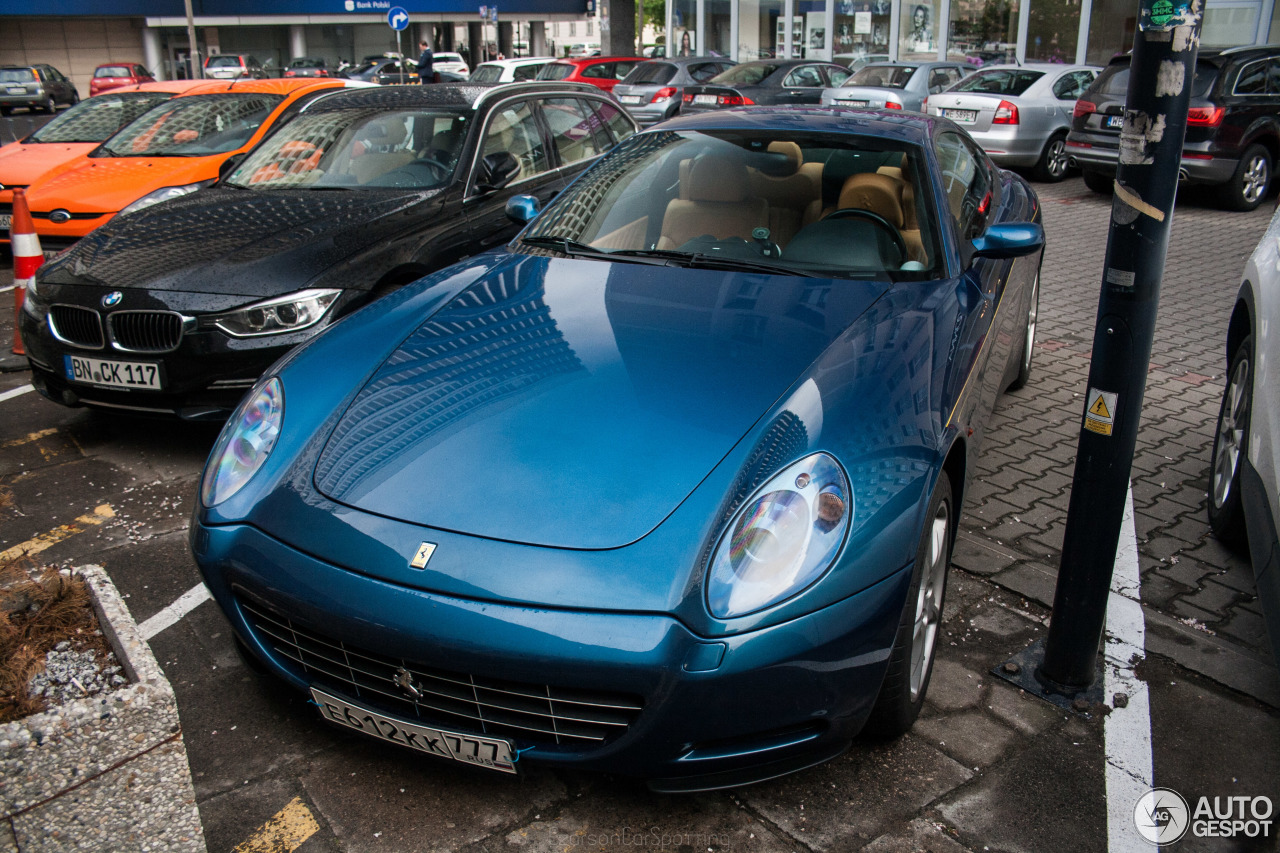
<point>1100,417</point>
<point>1163,15</point>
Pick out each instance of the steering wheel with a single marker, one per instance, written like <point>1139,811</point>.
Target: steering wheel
<point>445,168</point>
<point>408,176</point>
<point>875,219</point>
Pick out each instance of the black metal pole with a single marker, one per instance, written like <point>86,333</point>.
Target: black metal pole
<point>1155,121</point>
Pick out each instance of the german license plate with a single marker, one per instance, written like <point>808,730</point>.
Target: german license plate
<point>705,99</point>
<point>113,374</point>
<point>17,90</point>
<point>6,221</point>
<point>846,102</point>
<point>1115,121</point>
<point>969,116</point>
<point>491,753</point>
<point>629,99</point>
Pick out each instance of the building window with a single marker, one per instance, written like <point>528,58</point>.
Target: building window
<point>573,29</point>
<point>917,40</point>
<point>1053,30</point>
<point>862,28</point>
<point>984,32</point>
<point>588,26</point>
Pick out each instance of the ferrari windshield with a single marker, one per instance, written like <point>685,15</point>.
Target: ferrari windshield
<point>99,117</point>
<point>406,149</point>
<point>829,205</point>
<point>194,126</point>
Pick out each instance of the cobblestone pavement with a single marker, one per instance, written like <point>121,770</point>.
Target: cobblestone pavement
<point>986,768</point>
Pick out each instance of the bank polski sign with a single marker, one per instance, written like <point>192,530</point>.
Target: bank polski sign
<point>371,6</point>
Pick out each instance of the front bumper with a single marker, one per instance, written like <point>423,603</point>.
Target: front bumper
<point>1099,153</point>
<point>715,711</point>
<point>204,377</point>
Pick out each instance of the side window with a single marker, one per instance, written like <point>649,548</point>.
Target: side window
<point>966,182</point>
<point>1273,77</point>
<point>704,72</point>
<point>805,76</point>
<point>575,129</point>
<point>619,125</point>
<point>526,72</point>
<point>938,80</point>
<point>599,71</point>
<point>1252,79</point>
<point>622,69</point>
<point>838,76</point>
<point>513,129</point>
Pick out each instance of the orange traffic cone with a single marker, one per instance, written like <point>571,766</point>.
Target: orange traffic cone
<point>27,258</point>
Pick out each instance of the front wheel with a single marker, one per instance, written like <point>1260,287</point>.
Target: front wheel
<point>1029,339</point>
<point>1053,161</point>
<point>49,106</point>
<point>911,659</point>
<point>1226,515</point>
<point>1248,186</point>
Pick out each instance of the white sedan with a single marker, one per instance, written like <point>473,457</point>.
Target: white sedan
<point>1245,471</point>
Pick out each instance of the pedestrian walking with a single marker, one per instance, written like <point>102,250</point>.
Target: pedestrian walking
<point>425,74</point>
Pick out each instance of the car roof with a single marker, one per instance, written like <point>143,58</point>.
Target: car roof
<point>174,86</point>
<point>595,60</point>
<point>914,128</point>
<point>523,60</point>
<point>271,86</point>
<point>1043,67</point>
<point>439,95</point>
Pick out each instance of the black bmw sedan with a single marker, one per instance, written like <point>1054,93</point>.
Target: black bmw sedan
<point>178,308</point>
<point>777,82</point>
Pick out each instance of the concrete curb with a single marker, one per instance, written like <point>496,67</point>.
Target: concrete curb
<point>108,772</point>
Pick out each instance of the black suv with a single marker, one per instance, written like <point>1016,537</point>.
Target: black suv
<point>1233,124</point>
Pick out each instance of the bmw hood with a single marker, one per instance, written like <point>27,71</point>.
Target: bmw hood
<point>237,242</point>
<point>576,403</point>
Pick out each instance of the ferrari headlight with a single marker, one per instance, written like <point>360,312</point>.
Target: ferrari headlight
<point>245,442</point>
<point>277,316</point>
<point>781,539</point>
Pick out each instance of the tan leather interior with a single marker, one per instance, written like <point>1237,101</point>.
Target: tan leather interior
<point>788,195</point>
<point>714,200</point>
<point>385,139</point>
<point>886,194</point>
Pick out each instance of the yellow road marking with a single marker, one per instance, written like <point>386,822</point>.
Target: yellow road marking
<point>283,833</point>
<point>57,534</point>
<point>27,439</point>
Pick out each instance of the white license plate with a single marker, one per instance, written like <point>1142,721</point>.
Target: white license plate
<point>113,374</point>
<point>6,220</point>
<point>17,90</point>
<point>704,99</point>
<point>968,116</point>
<point>1115,121</point>
<point>492,753</point>
<point>845,102</point>
<point>629,99</point>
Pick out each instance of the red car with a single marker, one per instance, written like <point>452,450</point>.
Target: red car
<point>115,75</point>
<point>602,71</point>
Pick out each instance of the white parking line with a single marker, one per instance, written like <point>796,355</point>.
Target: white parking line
<point>14,392</point>
<point>7,288</point>
<point>188,601</point>
<point>1127,729</point>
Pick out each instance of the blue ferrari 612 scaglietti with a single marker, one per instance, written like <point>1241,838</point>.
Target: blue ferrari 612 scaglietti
<point>668,486</point>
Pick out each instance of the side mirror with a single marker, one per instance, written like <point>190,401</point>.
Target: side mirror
<point>521,209</point>
<point>496,171</point>
<point>229,165</point>
<point>1012,240</point>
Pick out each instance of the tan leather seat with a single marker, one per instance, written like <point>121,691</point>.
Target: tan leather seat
<point>789,194</point>
<point>714,201</point>
<point>386,138</point>
<point>881,194</point>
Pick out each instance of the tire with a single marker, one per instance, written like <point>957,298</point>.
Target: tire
<point>1052,166</point>
<point>6,111</point>
<point>1248,186</point>
<point>75,99</point>
<point>911,659</point>
<point>1099,182</point>
<point>49,106</point>
<point>1028,340</point>
<point>1226,515</point>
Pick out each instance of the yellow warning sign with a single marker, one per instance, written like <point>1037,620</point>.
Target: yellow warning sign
<point>1100,416</point>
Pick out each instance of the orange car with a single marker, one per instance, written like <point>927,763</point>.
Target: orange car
<point>173,149</point>
<point>73,133</point>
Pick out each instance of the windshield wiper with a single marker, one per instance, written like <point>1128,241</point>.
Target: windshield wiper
<point>575,249</point>
<point>705,259</point>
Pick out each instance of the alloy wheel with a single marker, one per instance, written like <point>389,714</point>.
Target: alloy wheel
<point>924,632</point>
<point>1230,433</point>
<point>1256,178</point>
<point>1056,159</point>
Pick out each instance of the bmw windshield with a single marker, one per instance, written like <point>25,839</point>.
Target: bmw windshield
<point>357,148</point>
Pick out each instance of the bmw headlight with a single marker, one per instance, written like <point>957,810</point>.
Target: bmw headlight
<point>164,194</point>
<point>781,539</point>
<point>277,316</point>
<point>245,443</point>
<point>31,300</point>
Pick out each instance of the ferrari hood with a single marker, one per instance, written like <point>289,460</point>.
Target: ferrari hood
<point>576,403</point>
<point>230,241</point>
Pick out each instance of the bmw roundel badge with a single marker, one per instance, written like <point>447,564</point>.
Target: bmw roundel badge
<point>112,299</point>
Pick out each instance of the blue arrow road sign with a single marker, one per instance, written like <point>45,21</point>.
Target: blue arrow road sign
<point>397,18</point>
